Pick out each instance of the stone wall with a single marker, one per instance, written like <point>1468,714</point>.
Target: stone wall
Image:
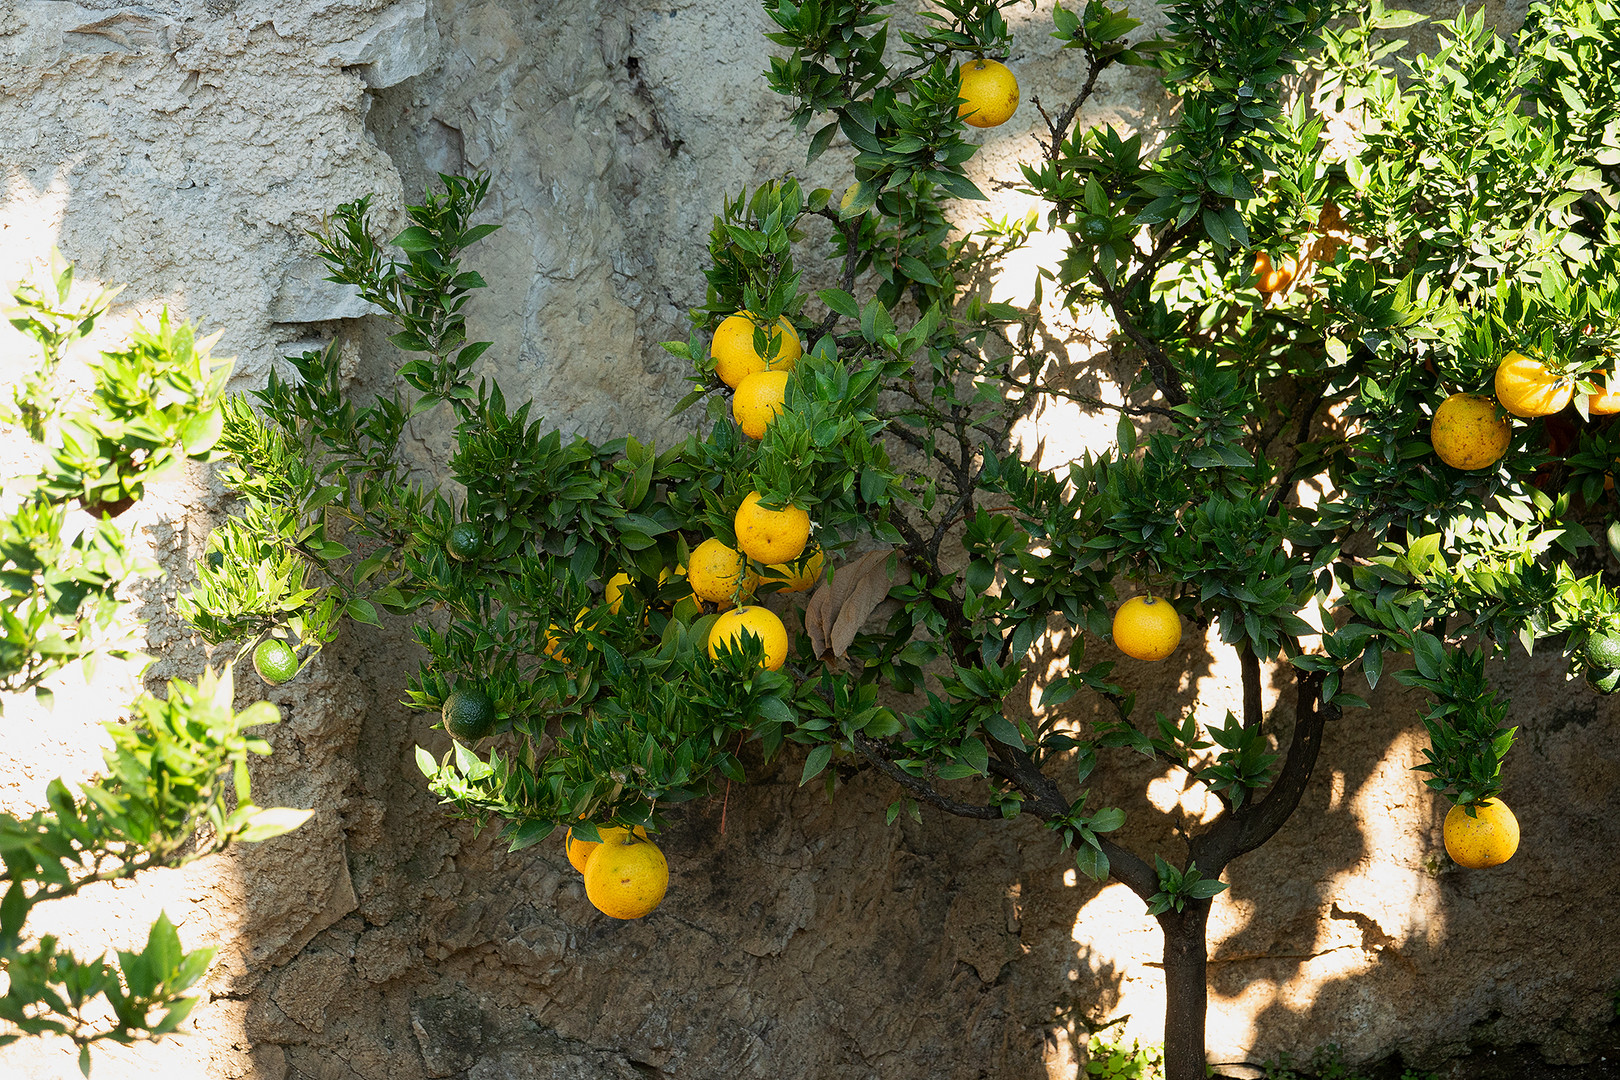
<point>186,146</point>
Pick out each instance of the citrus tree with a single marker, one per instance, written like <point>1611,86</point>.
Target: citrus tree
<point>176,782</point>
<point>1415,325</point>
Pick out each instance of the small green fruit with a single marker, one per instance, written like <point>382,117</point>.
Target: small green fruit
<point>275,661</point>
<point>468,714</point>
<point>1603,680</point>
<point>466,542</point>
<point>1603,651</point>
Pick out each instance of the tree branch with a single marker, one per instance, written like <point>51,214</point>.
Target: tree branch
<point>1254,824</point>
<point>1165,376</point>
<point>1253,711</point>
<point>919,787</point>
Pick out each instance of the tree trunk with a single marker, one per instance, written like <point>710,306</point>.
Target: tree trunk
<point>1186,995</point>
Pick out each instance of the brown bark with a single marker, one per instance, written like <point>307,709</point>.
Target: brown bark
<point>1186,992</point>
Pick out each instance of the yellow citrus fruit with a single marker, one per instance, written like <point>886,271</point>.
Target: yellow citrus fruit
<point>990,93</point>
<point>795,577</point>
<point>1606,401</point>
<point>1269,278</point>
<point>580,850</point>
<point>734,354</point>
<point>757,401</point>
<point>553,647</point>
<point>1467,433</point>
<point>1527,387</point>
<point>771,536</point>
<point>717,572</point>
<point>1488,839</point>
<point>762,623</point>
<point>626,878</point>
<point>1147,627</point>
<point>613,591</point>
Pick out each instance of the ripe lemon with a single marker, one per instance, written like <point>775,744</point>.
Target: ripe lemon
<point>717,572</point>
<point>1467,433</point>
<point>626,878</point>
<point>1269,278</point>
<point>762,623</point>
<point>579,851</point>
<point>795,577</point>
<point>757,401</point>
<point>771,536</point>
<point>990,93</point>
<point>1488,839</point>
<point>275,661</point>
<point>735,356</point>
<point>1147,627</point>
<point>468,714</point>
<point>1527,387</point>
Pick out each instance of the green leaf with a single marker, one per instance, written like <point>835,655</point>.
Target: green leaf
<point>202,431</point>
<point>162,952</point>
<point>1106,820</point>
<point>1003,731</point>
<point>1428,654</point>
<point>415,238</point>
<point>857,200</point>
<point>362,611</point>
<point>274,821</point>
<point>13,912</point>
<point>820,141</point>
<point>840,301</point>
<point>817,761</point>
<point>1090,861</point>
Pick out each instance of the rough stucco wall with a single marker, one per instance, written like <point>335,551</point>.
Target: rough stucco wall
<point>184,147</point>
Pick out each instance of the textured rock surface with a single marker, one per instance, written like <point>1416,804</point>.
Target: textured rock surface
<point>185,146</point>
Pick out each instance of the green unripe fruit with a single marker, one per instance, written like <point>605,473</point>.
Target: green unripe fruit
<point>468,714</point>
<point>466,541</point>
<point>1603,680</point>
<point>1603,651</point>
<point>275,661</point>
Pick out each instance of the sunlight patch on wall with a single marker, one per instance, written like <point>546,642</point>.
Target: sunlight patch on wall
<point>1114,933</point>
<point>1384,910</point>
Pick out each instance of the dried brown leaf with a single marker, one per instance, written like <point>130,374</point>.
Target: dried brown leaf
<point>871,588</point>
<point>822,612</point>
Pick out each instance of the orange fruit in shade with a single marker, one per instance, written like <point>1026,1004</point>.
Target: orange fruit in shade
<point>801,575</point>
<point>717,573</point>
<point>1147,628</point>
<point>1467,432</point>
<point>762,622</point>
<point>1489,838</point>
<point>626,878</point>
<point>989,92</point>
<point>735,357</point>
<point>1527,387</point>
<point>580,850</point>
<point>1269,278</point>
<point>1606,401</point>
<point>771,536</point>
<point>758,400</point>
